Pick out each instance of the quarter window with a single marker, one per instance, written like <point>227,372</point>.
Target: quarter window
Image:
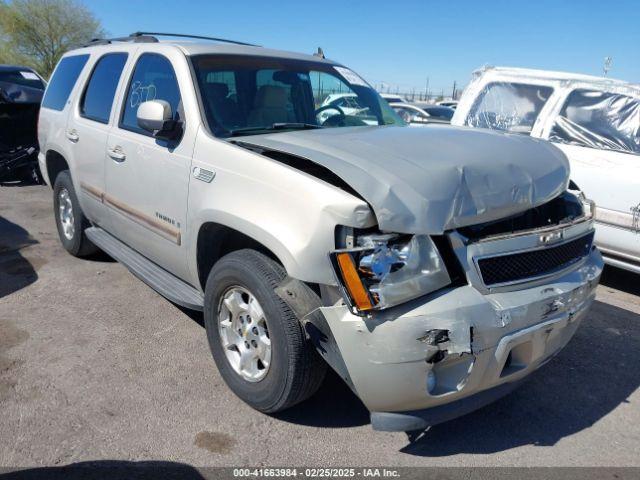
<point>602,120</point>
<point>152,79</point>
<point>98,97</point>
<point>63,80</point>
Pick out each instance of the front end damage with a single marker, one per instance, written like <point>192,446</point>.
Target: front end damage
<point>480,268</point>
<point>458,348</point>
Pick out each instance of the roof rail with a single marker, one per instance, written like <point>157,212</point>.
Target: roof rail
<point>200,37</point>
<point>150,37</point>
<point>131,38</point>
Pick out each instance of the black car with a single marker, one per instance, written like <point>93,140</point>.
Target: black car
<point>21,90</point>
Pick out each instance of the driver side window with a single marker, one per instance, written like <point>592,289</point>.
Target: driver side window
<point>152,79</point>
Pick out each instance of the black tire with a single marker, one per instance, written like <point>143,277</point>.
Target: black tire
<point>78,245</point>
<point>296,370</point>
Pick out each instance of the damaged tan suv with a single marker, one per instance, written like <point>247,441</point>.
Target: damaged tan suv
<point>433,269</point>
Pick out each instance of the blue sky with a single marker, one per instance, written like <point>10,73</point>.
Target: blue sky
<point>404,42</point>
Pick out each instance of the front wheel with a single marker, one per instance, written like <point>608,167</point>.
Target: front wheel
<point>256,340</point>
<point>70,220</point>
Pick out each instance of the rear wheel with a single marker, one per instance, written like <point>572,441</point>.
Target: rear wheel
<point>70,220</point>
<point>256,340</point>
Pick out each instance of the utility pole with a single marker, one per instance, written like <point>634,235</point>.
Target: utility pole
<point>426,90</point>
<point>607,65</point>
<point>453,93</point>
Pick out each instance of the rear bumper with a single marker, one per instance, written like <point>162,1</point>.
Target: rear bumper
<point>12,162</point>
<point>42,163</point>
<point>494,341</point>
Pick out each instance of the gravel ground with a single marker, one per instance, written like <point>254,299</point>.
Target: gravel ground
<point>94,365</point>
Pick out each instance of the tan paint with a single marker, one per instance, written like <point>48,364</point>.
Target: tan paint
<point>137,216</point>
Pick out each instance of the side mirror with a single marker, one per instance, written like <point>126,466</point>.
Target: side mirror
<point>155,116</point>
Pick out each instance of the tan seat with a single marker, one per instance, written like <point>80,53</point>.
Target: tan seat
<point>270,106</point>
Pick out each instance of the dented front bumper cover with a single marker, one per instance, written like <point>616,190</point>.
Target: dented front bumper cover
<point>437,358</point>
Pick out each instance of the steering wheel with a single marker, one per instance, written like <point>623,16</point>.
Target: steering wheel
<point>334,120</point>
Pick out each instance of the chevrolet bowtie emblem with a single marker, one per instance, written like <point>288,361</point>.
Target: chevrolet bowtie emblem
<point>550,238</point>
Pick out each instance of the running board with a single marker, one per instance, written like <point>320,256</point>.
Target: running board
<point>166,284</point>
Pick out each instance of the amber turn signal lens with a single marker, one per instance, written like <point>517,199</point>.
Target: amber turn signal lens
<point>353,283</point>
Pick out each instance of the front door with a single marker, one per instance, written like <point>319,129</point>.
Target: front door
<point>600,134</point>
<point>147,178</point>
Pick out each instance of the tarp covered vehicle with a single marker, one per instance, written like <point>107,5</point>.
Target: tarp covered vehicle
<point>595,121</point>
<point>21,91</point>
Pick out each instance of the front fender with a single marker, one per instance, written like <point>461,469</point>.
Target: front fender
<point>291,213</point>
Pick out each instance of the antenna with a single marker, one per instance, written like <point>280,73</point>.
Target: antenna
<point>319,53</point>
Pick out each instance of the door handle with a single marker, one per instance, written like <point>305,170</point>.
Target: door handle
<point>72,136</point>
<point>117,154</point>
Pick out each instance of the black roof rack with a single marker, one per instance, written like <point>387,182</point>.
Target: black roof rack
<point>150,37</point>
<point>199,37</point>
<point>131,38</point>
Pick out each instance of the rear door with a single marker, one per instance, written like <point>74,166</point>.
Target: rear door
<point>600,133</point>
<point>147,179</point>
<point>87,130</point>
<point>55,108</point>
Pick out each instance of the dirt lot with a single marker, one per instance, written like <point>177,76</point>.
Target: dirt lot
<point>94,365</point>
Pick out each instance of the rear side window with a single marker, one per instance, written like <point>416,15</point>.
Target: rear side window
<point>63,80</point>
<point>601,120</point>
<point>98,96</point>
<point>512,107</point>
<point>152,79</point>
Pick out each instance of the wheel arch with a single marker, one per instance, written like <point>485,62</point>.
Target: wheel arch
<point>55,163</point>
<point>215,240</point>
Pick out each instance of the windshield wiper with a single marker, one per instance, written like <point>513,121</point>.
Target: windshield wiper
<point>275,126</point>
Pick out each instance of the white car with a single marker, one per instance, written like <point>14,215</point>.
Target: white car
<point>393,98</point>
<point>346,103</point>
<point>595,121</point>
<point>453,104</point>
<point>421,115</point>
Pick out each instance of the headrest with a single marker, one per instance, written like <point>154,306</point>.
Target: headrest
<point>217,90</point>
<point>271,96</point>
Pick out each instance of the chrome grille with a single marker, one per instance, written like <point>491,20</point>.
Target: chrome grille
<point>527,265</point>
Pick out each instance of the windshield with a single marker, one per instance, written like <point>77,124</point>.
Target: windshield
<point>245,95</point>
<point>513,107</point>
<point>24,78</point>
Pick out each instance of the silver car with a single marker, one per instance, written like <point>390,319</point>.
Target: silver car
<point>433,269</point>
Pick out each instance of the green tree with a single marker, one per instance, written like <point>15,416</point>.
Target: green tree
<point>38,32</point>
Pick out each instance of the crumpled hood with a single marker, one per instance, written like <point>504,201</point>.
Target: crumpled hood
<point>429,180</point>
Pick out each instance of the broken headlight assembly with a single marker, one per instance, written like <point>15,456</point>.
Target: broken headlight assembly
<point>383,270</point>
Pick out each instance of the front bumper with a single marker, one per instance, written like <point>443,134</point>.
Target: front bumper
<point>493,341</point>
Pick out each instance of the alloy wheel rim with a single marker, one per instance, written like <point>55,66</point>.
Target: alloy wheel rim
<point>244,333</point>
<point>65,212</point>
